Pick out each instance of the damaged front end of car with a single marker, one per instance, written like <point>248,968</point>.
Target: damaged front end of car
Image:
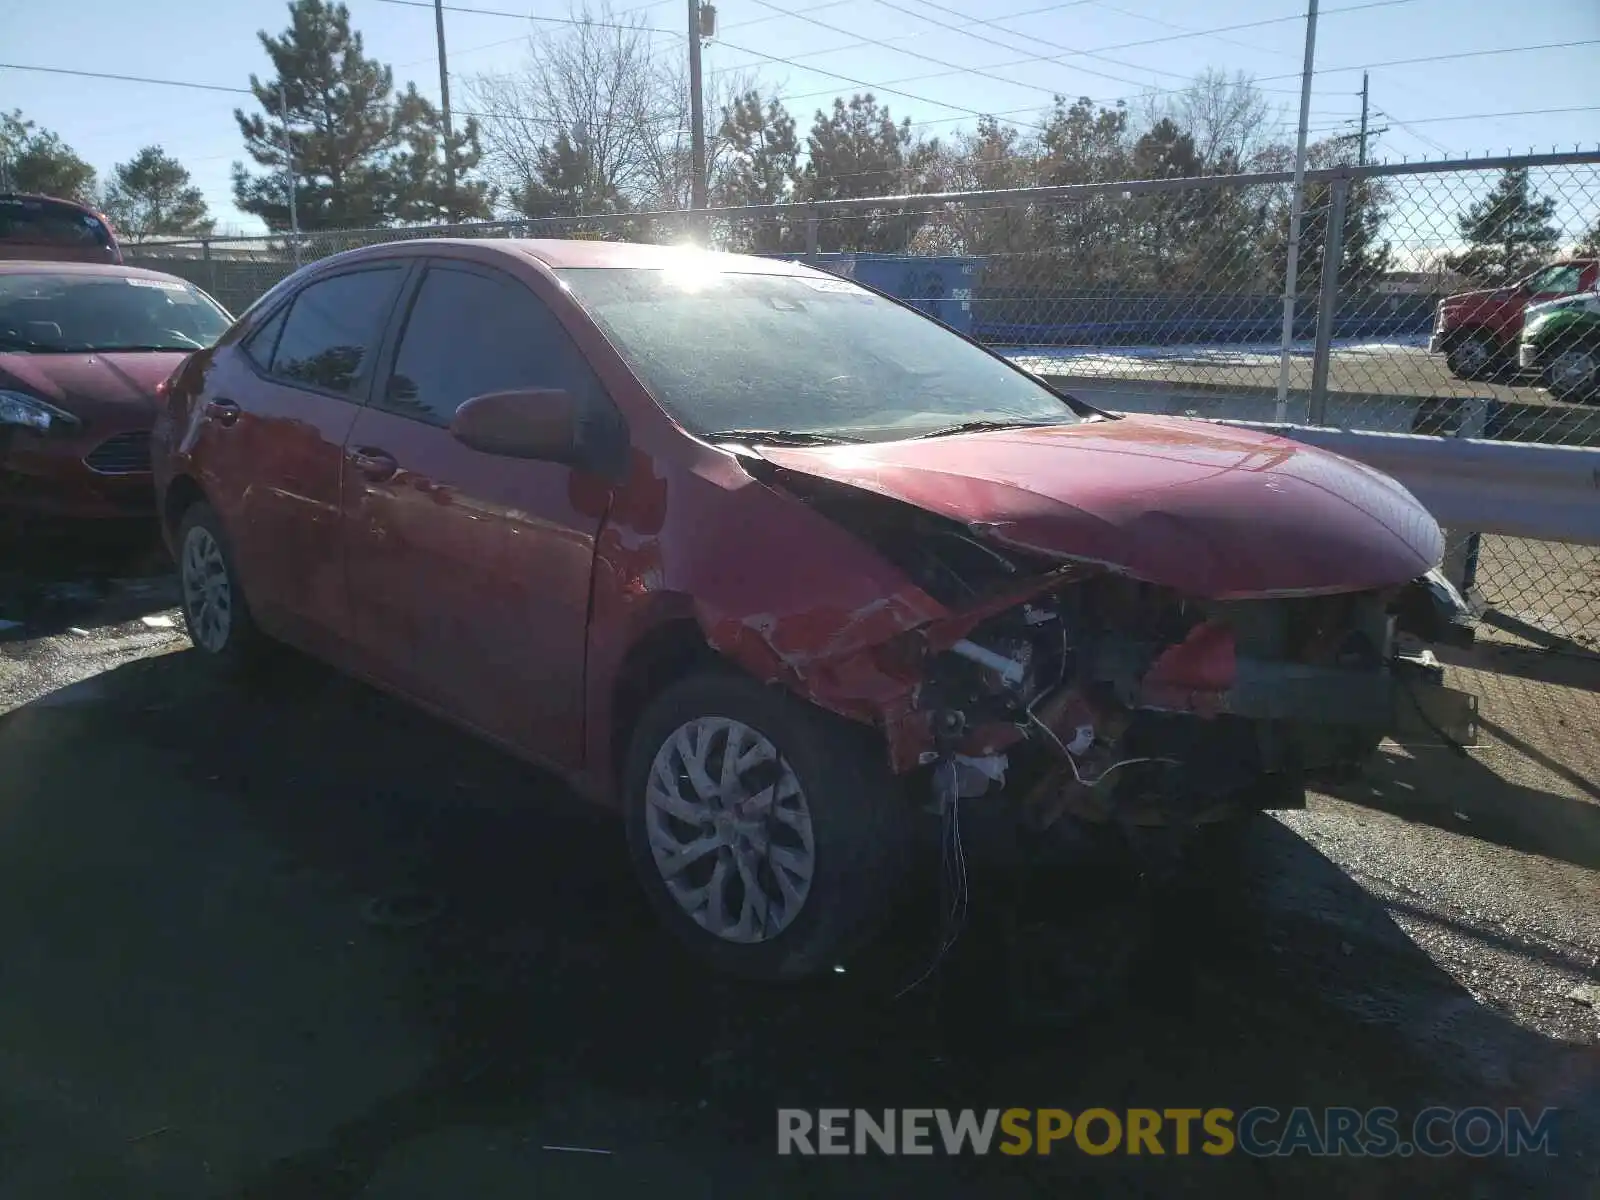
<point>1071,688</point>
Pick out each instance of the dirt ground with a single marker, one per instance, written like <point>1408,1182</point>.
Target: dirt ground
<point>300,941</point>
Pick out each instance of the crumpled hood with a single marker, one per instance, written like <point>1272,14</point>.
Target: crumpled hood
<point>92,386</point>
<point>1212,511</point>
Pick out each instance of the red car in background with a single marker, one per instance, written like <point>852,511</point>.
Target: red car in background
<point>46,229</point>
<point>781,567</point>
<point>83,351</point>
<point>1477,332</point>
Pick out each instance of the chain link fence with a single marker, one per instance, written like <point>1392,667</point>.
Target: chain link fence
<point>1408,311</point>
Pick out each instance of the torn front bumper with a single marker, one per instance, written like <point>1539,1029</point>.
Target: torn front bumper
<point>1406,703</point>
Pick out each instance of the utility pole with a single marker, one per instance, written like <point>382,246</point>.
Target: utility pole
<point>444,101</point>
<point>697,120</point>
<point>1361,154</point>
<point>288,168</point>
<point>1296,199</point>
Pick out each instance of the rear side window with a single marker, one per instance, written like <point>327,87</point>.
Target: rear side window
<point>332,330</point>
<point>470,333</point>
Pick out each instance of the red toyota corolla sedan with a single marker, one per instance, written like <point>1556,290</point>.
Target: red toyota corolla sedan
<point>83,350</point>
<point>781,567</point>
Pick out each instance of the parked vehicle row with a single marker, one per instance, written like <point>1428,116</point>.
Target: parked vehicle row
<point>779,567</point>
<point>1480,332</point>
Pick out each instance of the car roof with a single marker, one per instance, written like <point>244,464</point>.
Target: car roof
<point>41,199</point>
<point>45,266</point>
<point>561,253</point>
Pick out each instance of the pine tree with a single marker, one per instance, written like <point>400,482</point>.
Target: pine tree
<point>859,150</point>
<point>1085,240</point>
<point>1168,224</point>
<point>1508,232</point>
<point>363,153</point>
<point>150,196</point>
<point>1364,255</point>
<point>1589,247</point>
<point>37,160</point>
<point>757,165</point>
<point>568,182</point>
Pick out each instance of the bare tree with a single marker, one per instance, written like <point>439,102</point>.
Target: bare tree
<point>1229,118</point>
<point>670,154</point>
<point>594,105</point>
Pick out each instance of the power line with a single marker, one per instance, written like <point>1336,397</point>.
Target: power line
<point>1176,37</point>
<point>1431,143</point>
<point>929,58</point>
<point>891,43</point>
<point>491,12</point>
<point>180,83</point>
<point>1123,12</point>
<point>876,87</point>
<point>797,12</point>
<point>1526,112</point>
<point>1258,80</point>
<point>1008,46</point>
<point>417,62</point>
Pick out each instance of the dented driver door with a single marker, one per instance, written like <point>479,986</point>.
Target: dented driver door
<point>469,573</point>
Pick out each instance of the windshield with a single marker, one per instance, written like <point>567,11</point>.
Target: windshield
<point>727,352</point>
<point>44,313</point>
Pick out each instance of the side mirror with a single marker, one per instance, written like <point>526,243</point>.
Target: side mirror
<point>539,423</point>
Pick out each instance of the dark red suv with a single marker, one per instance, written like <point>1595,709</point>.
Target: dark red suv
<point>781,567</point>
<point>47,229</point>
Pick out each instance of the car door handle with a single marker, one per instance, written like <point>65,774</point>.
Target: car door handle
<point>376,465</point>
<point>223,411</point>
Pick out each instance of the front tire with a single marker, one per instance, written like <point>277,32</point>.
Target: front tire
<point>1574,374</point>
<point>214,608</point>
<point>770,836</point>
<point>1474,357</point>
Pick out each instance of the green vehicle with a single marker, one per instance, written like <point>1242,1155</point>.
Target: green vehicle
<point>1561,341</point>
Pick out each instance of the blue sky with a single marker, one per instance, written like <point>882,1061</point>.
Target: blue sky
<point>213,41</point>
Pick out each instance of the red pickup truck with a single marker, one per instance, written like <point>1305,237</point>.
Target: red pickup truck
<point>1478,331</point>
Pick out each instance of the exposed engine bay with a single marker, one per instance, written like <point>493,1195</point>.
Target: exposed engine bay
<point>1083,691</point>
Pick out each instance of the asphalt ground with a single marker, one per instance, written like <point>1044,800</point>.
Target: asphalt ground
<point>298,940</point>
<point>1375,368</point>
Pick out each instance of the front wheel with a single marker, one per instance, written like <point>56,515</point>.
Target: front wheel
<point>1474,357</point>
<point>770,836</point>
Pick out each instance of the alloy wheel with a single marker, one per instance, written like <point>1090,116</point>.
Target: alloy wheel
<point>729,829</point>
<point>1471,357</point>
<point>207,591</point>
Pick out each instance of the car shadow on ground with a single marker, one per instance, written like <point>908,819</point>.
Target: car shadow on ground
<point>553,1003</point>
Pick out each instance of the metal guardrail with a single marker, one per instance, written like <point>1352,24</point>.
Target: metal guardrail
<point>1549,493</point>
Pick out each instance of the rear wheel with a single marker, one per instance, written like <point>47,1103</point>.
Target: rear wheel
<point>770,836</point>
<point>214,607</point>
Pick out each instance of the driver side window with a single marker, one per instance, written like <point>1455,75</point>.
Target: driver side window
<point>470,333</point>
